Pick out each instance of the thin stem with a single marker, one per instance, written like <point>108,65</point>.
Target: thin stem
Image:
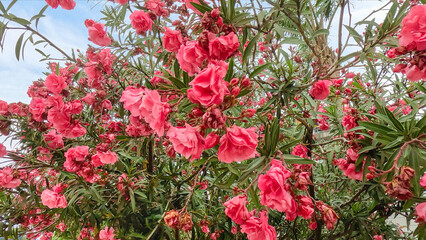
<point>41,36</point>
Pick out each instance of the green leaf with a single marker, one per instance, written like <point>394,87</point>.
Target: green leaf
<point>377,128</point>
<point>293,40</point>
<point>21,21</point>
<point>18,46</point>
<point>292,159</point>
<point>230,72</point>
<point>11,5</point>
<point>393,120</point>
<point>259,70</point>
<point>320,32</point>
<point>420,87</point>
<point>355,35</point>
<point>201,8</point>
<point>249,49</point>
<point>2,8</point>
<point>243,93</point>
<point>366,149</point>
<point>349,56</point>
<point>132,199</point>
<point>275,135</point>
<point>255,164</point>
<point>179,84</point>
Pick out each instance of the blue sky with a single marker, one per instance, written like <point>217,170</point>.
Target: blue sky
<point>66,29</point>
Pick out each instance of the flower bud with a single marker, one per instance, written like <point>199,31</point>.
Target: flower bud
<point>234,81</point>
<point>215,13</point>
<point>197,112</point>
<point>235,91</point>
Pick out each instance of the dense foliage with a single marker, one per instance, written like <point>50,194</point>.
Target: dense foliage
<point>220,120</point>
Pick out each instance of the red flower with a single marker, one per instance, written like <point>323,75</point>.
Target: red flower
<point>97,34</point>
<point>321,89</point>
<point>208,87</point>
<point>190,57</point>
<point>55,83</point>
<point>275,193</point>
<point>236,209</point>
<point>414,28</point>
<point>258,228</point>
<point>421,212</point>
<point>238,144</point>
<point>422,180</point>
<point>53,199</point>
<point>172,40</point>
<point>221,48</point>
<point>37,109</point>
<point>306,207</point>
<point>7,179</point>
<point>65,4</point>
<point>328,215</point>
<point>157,7</point>
<point>106,234</point>
<point>53,140</point>
<point>211,140</point>
<point>101,158</point>
<point>146,104</point>
<point>3,150</point>
<point>141,22</point>
<point>300,151</point>
<point>186,141</point>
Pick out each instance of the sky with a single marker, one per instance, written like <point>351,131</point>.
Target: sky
<point>66,29</point>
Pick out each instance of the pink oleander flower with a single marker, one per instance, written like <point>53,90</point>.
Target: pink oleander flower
<point>4,109</point>
<point>306,207</point>
<point>53,199</point>
<point>275,193</point>
<point>258,228</point>
<point>236,209</point>
<point>154,111</point>
<point>348,122</point>
<point>65,4</point>
<point>211,140</point>
<point>238,144</point>
<point>3,150</point>
<point>172,40</point>
<point>37,109</point>
<point>328,215</point>
<point>55,83</point>
<point>53,139</point>
<point>208,87</point>
<point>378,237</point>
<point>147,104</point>
<point>413,28</point>
<point>106,234</point>
<point>7,179</point>
<point>157,7</point>
<point>190,57</point>
<point>422,180</point>
<point>321,89</point>
<point>101,158</point>
<point>74,156</point>
<point>300,151</point>
<point>186,141</point>
<point>421,212</point>
<point>97,34</point>
<point>221,48</point>
<point>141,21</point>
